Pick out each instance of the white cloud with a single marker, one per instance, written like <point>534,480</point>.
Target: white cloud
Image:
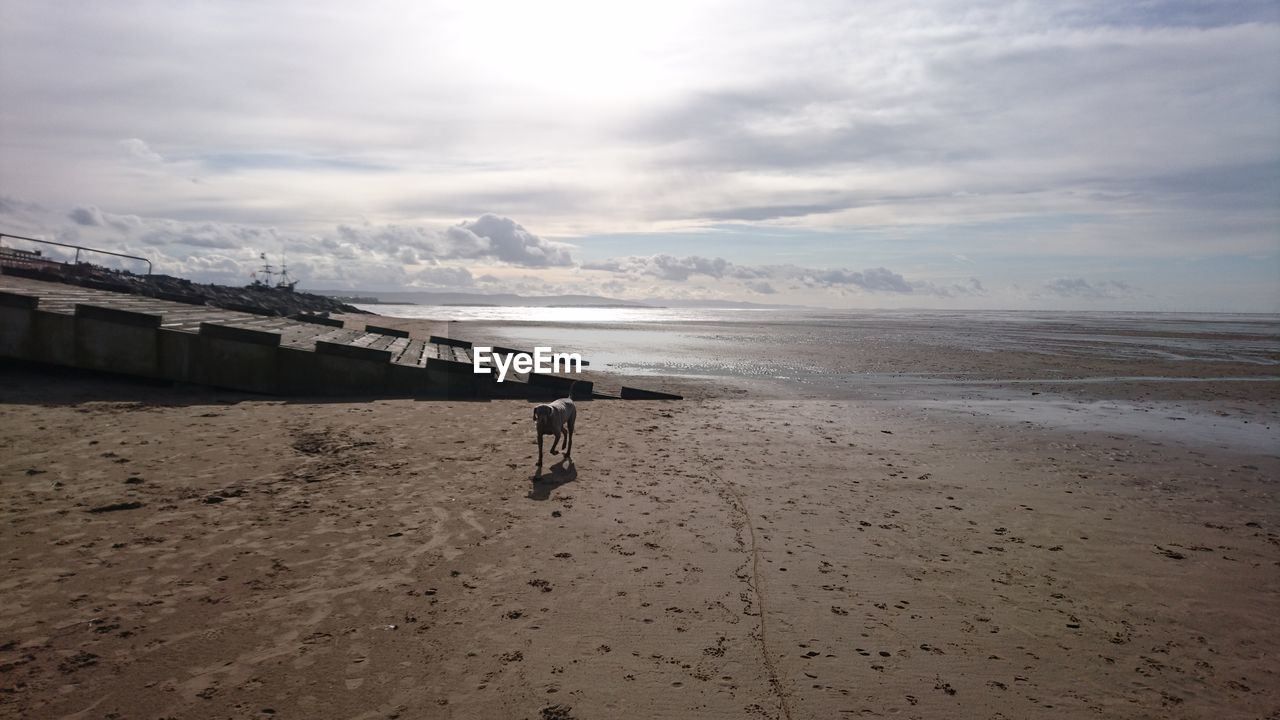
<point>138,150</point>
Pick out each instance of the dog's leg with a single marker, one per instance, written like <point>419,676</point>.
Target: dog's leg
<point>555,442</point>
<point>568,448</point>
<point>539,471</point>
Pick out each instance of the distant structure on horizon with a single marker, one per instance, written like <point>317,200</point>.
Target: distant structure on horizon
<point>284,283</point>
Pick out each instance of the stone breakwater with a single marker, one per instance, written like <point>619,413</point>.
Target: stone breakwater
<point>257,300</point>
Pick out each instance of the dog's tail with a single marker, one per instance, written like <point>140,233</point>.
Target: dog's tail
<point>572,387</point>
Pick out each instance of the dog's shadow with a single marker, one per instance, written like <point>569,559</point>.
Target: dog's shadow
<point>560,473</point>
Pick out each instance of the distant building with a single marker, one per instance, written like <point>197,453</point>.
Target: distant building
<point>25,259</point>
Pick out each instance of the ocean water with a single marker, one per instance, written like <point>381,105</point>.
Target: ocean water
<point>826,346</point>
<point>1070,371</point>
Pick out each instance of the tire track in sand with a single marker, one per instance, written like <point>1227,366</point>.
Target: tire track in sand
<point>757,586</point>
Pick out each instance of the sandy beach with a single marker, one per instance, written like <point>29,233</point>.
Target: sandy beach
<point>180,552</point>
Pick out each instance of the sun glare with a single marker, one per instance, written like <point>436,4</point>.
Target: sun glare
<point>575,48</point>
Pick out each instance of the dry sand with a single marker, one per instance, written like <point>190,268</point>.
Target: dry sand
<point>182,553</point>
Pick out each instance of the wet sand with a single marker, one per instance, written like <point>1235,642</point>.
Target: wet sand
<point>762,553</point>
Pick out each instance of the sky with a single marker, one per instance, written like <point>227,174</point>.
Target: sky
<point>1037,155</point>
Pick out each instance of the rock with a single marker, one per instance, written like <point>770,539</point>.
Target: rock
<point>259,300</point>
<point>116,506</point>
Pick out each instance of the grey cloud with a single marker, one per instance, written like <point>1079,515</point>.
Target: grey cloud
<point>235,162</point>
<point>760,278</point>
<point>9,205</point>
<point>25,218</point>
<point>875,279</point>
<point>775,212</point>
<point>667,267</point>
<point>207,241</point>
<point>972,286</point>
<point>487,237</point>
<point>770,128</point>
<point>1169,13</point>
<point>1077,287</point>
<point>86,216</point>
<point>505,240</point>
<point>1249,187</point>
<point>1021,104</point>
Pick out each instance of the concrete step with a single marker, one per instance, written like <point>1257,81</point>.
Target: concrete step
<point>151,337</point>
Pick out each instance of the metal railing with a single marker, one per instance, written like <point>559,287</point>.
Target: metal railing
<point>78,248</point>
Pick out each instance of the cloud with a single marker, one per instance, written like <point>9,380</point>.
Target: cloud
<point>761,278</point>
<point>206,241</point>
<point>814,114</point>
<point>666,267</point>
<point>1083,133</point>
<point>358,256</point>
<point>784,125</point>
<point>86,216</point>
<point>875,279</point>
<point>442,277</point>
<point>1080,288</point>
<point>504,239</point>
<point>489,237</point>
<point>138,150</point>
<point>227,162</point>
<point>970,287</point>
<point>774,212</point>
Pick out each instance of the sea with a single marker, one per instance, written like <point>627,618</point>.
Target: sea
<point>1206,378</point>
<point>774,343</point>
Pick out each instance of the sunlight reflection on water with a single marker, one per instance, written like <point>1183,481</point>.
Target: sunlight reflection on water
<point>758,343</point>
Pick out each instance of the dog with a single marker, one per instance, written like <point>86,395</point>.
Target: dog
<point>558,419</point>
